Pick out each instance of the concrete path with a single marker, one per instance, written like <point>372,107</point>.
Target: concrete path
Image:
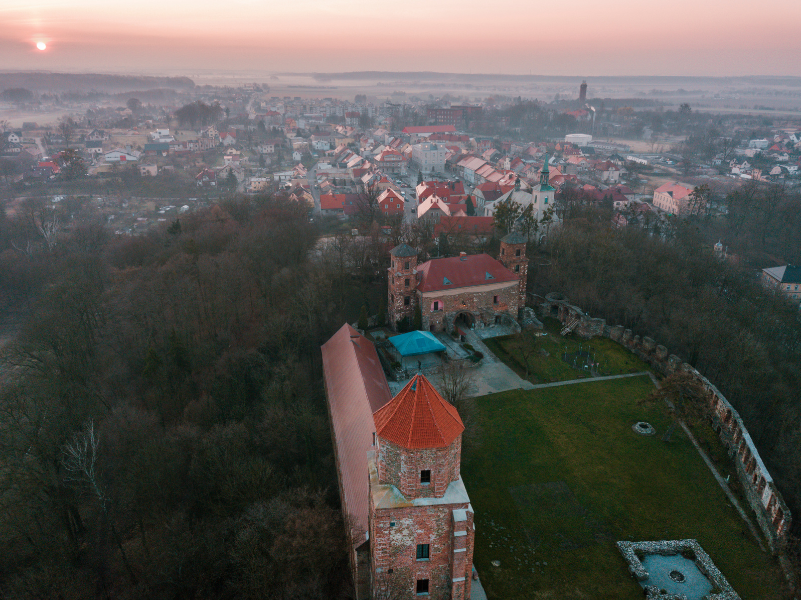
<point>586,380</point>
<point>492,375</point>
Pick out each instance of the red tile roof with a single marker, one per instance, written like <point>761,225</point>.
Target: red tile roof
<point>355,387</point>
<point>462,271</point>
<point>430,129</point>
<point>418,417</point>
<point>466,225</point>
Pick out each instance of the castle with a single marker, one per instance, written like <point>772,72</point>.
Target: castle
<point>473,290</point>
<point>408,517</point>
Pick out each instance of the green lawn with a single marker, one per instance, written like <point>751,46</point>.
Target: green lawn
<point>557,476</point>
<point>612,358</point>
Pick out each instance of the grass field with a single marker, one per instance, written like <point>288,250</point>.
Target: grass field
<point>558,476</point>
<point>613,359</point>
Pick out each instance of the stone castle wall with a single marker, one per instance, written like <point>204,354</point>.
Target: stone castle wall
<point>764,497</point>
<point>480,304</point>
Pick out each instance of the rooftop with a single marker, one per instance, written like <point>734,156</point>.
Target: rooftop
<point>418,417</point>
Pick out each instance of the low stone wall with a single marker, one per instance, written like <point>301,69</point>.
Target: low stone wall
<point>767,503</point>
<point>630,551</point>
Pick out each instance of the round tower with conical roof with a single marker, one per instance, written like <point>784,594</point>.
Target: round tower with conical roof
<point>421,522</point>
<point>513,257</point>
<point>419,438</point>
<point>401,284</point>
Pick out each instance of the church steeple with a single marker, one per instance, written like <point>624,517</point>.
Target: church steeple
<point>545,176</point>
<point>545,173</point>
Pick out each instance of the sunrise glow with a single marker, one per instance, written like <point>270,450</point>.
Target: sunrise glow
<point>41,45</point>
<point>507,36</point>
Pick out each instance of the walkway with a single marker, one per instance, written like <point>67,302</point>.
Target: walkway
<point>587,380</point>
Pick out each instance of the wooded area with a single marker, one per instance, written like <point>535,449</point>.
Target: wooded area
<point>164,431</point>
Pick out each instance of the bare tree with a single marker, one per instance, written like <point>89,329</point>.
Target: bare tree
<point>66,127</point>
<point>80,459</point>
<point>685,397</point>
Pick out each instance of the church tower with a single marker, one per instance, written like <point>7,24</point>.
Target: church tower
<point>513,257</point>
<point>421,523</point>
<point>402,284</point>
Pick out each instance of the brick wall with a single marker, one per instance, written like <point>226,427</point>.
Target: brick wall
<point>513,257</point>
<point>395,534</point>
<point>401,467</point>
<point>478,302</point>
<point>397,277</point>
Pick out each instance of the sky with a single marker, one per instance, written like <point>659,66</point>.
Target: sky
<point>580,37</point>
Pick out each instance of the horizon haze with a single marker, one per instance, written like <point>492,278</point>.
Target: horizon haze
<point>619,37</point>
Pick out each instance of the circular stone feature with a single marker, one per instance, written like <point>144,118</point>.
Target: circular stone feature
<point>643,428</point>
<point>677,576</point>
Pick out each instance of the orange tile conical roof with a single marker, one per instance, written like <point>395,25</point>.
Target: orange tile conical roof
<point>418,417</point>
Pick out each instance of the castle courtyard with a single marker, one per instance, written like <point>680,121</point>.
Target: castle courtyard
<point>557,475</point>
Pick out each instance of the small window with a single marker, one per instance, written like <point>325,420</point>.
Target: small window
<point>517,252</point>
<point>406,265</point>
<point>446,281</point>
<point>425,476</point>
<point>487,275</point>
<point>406,301</point>
<point>406,282</point>
<point>392,523</point>
<point>422,552</point>
<point>422,587</point>
<point>517,268</point>
<point>435,305</point>
<point>495,299</point>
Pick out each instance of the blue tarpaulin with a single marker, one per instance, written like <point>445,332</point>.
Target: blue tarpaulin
<point>416,342</point>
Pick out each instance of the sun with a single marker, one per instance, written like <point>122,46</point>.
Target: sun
<point>41,45</point>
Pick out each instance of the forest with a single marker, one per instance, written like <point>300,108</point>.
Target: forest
<point>163,430</point>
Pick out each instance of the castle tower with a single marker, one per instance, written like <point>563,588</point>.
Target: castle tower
<point>513,257</point>
<point>421,522</point>
<point>583,92</point>
<point>402,284</point>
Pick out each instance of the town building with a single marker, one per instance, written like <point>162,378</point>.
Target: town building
<point>429,158</point>
<point>465,290</point>
<point>786,280</point>
<point>673,198</point>
<point>410,525</point>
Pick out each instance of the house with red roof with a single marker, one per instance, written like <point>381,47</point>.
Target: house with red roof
<point>673,198</point>
<point>455,226</point>
<point>347,204</point>
<point>228,138</point>
<point>206,178</point>
<point>390,202</point>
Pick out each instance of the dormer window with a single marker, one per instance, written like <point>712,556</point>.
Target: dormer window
<point>446,281</point>
<point>488,275</point>
<point>425,477</point>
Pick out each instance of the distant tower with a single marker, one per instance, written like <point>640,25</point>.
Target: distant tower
<point>402,284</point>
<point>583,92</point>
<point>513,257</point>
<point>421,523</point>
